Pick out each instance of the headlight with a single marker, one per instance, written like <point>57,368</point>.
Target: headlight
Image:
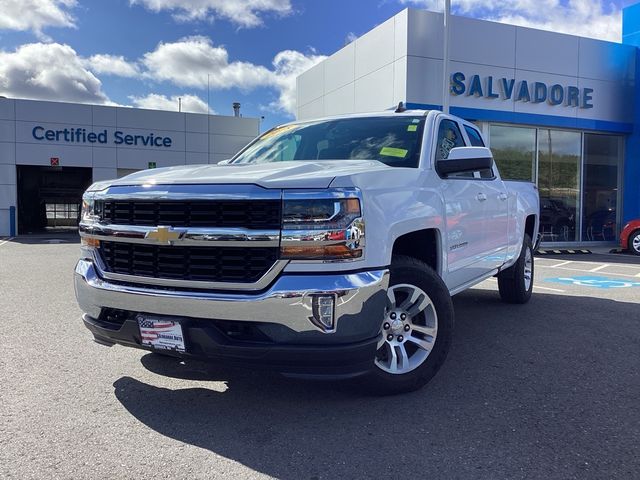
<point>322,229</point>
<point>87,214</point>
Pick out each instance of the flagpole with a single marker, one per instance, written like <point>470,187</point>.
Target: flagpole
<point>445,57</point>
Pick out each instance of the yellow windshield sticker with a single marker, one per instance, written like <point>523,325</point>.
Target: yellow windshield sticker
<point>394,152</point>
<point>412,128</point>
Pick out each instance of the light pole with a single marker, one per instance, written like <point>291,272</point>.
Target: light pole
<point>445,57</point>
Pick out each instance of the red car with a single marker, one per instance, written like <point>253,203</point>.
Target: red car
<point>630,237</point>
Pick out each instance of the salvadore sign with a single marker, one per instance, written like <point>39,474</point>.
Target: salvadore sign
<point>521,91</point>
<point>84,136</point>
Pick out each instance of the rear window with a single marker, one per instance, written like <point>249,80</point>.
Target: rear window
<point>393,140</point>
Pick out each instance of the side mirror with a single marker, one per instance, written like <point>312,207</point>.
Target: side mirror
<point>465,159</point>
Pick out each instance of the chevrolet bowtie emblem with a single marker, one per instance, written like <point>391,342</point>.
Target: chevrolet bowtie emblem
<point>165,235</point>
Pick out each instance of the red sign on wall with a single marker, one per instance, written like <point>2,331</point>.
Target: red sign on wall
<point>55,161</point>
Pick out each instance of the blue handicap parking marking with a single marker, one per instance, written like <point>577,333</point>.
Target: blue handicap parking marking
<point>595,282</point>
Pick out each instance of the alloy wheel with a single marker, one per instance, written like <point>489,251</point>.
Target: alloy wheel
<point>409,329</point>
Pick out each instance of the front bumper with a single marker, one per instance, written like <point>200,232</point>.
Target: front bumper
<point>285,338</point>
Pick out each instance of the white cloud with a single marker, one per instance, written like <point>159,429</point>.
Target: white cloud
<point>154,101</point>
<point>36,15</point>
<point>351,37</point>
<point>588,18</point>
<point>189,61</point>
<point>48,71</point>
<point>288,64</point>
<point>112,65</point>
<point>56,72</point>
<point>244,13</point>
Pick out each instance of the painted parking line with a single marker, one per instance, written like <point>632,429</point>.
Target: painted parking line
<point>561,264</point>
<point>2,242</point>
<point>601,267</point>
<point>535,287</point>
<point>538,287</point>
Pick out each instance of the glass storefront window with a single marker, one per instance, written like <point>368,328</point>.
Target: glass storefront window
<point>600,191</point>
<point>514,151</point>
<point>559,154</point>
<point>572,208</point>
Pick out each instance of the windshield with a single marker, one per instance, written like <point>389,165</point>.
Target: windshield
<point>394,140</point>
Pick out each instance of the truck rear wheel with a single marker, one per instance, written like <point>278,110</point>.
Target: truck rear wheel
<point>516,282</point>
<point>415,335</point>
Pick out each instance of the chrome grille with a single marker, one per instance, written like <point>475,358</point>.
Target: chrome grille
<point>206,264</point>
<point>248,214</point>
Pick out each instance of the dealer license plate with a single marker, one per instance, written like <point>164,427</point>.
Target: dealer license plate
<point>161,334</point>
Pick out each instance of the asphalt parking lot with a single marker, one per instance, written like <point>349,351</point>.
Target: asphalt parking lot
<point>548,390</point>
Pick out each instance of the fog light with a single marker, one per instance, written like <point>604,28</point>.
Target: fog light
<point>323,312</point>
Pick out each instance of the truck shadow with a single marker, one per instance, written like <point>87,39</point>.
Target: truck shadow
<point>519,382</point>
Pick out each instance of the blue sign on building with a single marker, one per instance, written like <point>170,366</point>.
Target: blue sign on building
<point>535,92</point>
<point>82,135</point>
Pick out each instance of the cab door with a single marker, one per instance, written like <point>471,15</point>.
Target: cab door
<point>496,209</point>
<point>465,212</point>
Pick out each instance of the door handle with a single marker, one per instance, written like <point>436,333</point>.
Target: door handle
<point>481,197</point>
<point>503,196</point>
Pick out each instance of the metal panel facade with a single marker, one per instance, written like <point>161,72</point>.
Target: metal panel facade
<point>32,132</point>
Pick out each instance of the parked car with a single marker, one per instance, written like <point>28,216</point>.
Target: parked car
<point>630,237</point>
<point>325,248</point>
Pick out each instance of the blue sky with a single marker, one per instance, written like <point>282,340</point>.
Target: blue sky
<point>147,53</point>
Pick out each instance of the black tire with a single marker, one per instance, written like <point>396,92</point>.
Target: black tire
<point>408,270</point>
<point>635,236</point>
<point>511,282</point>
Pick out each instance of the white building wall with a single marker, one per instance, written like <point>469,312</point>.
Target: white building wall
<point>366,75</point>
<point>195,138</point>
<point>401,60</point>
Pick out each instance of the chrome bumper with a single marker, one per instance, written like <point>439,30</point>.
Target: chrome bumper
<point>360,299</point>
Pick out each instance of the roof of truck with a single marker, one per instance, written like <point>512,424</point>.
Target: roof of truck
<point>383,113</point>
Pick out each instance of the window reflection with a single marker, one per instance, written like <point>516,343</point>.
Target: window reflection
<point>601,156</point>
<point>514,151</point>
<point>559,184</point>
<point>563,194</point>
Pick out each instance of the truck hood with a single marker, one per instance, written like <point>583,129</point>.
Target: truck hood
<point>295,174</point>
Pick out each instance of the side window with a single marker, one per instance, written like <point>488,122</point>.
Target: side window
<point>476,141</point>
<point>474,136</point>
<point>449,137</point>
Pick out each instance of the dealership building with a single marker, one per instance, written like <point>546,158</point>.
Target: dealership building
<point>51,152</point>
<point>560,110</point>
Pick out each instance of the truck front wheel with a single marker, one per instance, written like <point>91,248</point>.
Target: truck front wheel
<point>415,334</point>
<point>516,282</point>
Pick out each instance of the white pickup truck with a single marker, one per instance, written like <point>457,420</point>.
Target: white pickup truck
<point>325,248</point>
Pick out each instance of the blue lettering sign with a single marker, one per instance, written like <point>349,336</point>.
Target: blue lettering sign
<point>490,92</point>
<point>507,87</point>
<point>573,94</point>
<point>539,92</point>
<point>457,83</point>
<point>475,87</point>
<point>80,135</point>
<point>556,95</point>
<point>523,92</point>
<point>36,133</point>
<point>586,98</point>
